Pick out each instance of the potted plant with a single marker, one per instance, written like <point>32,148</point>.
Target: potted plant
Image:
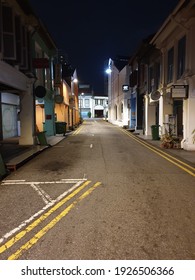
<point>169,141</point>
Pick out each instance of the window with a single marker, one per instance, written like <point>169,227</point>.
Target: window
<point>80,103</point>
<point>86,102</point>
<point>121,107</point>
<point>133,79</point>
<point>158,70</point>
<point>96,101</point>
<point>9,50</point>
<point>151,79</point>
<point>24,47</point>
<point>142,74</point>
<point>47,75</point>
<point>18,29</point>
<point>170,65</point>
<point>101,102</point>
<point>181,57</point>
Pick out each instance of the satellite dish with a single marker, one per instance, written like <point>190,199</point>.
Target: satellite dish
<point>155,95</point>
<point>59,99</point>
<point>40,91</point>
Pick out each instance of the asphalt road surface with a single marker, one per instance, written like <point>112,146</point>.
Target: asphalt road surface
<point>99,194</point>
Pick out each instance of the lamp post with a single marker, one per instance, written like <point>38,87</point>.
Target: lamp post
<point>109,72</point>
<point>80,104</point>
<point>74,99</point>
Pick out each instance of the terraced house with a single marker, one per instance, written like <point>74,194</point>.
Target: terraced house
<point>36,87</point>
<point>161,80</point>
<point>176,42</point>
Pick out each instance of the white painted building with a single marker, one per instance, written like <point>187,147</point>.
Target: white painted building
<point>176,41</point>
<point>118,92</point>
<point>91,106</point>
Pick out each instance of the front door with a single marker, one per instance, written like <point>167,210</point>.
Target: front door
<point>178,112</point>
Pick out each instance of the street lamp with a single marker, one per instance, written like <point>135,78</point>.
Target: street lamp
<point>74,98</point>
<point>75,80</point>
<point>108,70</point>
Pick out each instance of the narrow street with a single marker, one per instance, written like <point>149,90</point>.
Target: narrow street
<point>98,194</point>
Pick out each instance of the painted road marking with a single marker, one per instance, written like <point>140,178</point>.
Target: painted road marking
<point>91,146</point>
<point>45,197</point>
<point>24,182</point>
<point>77,131</point>
<point>57,202</point>
<point>166,156</point>
<point>51,224</point>
<point>13,181</point>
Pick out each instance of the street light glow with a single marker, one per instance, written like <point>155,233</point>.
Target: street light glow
<point>108,70</point>
<point>75,80</point>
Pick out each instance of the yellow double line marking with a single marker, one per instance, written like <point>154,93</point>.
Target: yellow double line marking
<point>184,166</point>
<point>50,225</point>
<point>77,131</point>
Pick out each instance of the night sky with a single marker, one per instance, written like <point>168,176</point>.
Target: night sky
<point>89,32</point>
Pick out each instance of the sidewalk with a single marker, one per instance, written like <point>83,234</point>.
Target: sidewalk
<point>188,156</point>
<point>15,155</point>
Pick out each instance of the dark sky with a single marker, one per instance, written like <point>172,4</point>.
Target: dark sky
<point>90,32</point>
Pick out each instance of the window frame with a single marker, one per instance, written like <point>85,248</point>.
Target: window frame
<point>170,65</point>
<point>181,56</point>
<point>10,34</point>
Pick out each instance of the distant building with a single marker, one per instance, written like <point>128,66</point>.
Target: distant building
<point>90,105</point>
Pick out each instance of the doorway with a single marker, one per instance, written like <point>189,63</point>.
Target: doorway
<point>178,112</point>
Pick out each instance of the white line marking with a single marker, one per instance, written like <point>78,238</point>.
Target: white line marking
<point>91,146</point>
<point>13,181</point>
<point>45,197</point>
<point>63,181</point>
<point>50,204</point>
<point>72,180</point>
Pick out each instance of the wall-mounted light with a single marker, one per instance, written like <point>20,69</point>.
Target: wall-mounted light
<point>108,70</point>
<point>75,80</point>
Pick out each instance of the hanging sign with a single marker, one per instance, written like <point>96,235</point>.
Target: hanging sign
<point>179,91</point>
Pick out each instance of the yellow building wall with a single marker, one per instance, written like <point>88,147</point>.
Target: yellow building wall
<point>40,117</point>
<point>62,110</point>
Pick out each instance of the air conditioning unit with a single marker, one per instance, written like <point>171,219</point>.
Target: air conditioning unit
<point>59,99</point>
<point>154,96</point>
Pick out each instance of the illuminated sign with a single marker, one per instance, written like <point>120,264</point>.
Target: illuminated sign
<point>125,88</point>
